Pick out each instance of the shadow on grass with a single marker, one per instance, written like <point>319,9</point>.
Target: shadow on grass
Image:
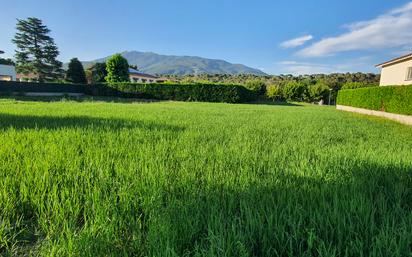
<point>364,209</point>
<point>86,98</point>
<point>277,103</point>
<point>8,121</point>
<point>358,214</point>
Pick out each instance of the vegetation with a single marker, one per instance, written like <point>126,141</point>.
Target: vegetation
<point>193,179</point>
<point>355,85</point>
<point>178,92</point>
<point>162,91</point>
<point>7,61</point>
<point>75,72</point>
<point>117,69</point>
<point>319,91</point>
<point>294,91</point>
<point>394,99</point>
<point>256,85</point>
<point>96,73</point>
<point>36,51</point>
<point>274,93</point>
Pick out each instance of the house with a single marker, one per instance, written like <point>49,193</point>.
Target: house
<point>139,77</point>
<point>7,72</point>
<point>397,71</point>
<point>27,77</point>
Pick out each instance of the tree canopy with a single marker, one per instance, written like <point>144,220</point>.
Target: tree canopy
<point>117,69</point>
<point>36,51</point>
<point>75,73</point>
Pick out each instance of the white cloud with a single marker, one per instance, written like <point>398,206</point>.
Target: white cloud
<point>296,41</point>
<point>393,29</point>
<point>304,68</point>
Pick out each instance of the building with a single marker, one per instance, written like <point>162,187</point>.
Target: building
<point>397,71</point>
<point>7,72</point>
<point>139,77</point>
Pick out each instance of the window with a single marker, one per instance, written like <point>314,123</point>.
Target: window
<point>5,78</point>
<point>409,73</point>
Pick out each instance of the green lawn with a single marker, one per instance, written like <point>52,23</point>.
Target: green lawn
<point>201,179</point>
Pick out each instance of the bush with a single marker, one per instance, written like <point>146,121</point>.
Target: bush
<point>22,87</point>
<point>256,85</point>
<point>274,92</point>
<point>117,69</point>
<point>355,85</point>
<point>319,91</point>
<point>294,91</point>
<point>178,92</point>
<point>393,99</point>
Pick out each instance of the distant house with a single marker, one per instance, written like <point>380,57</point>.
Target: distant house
<point>7,72</point>
<point>397,71</point>
<point>26,77</point>
<point>139,77</point>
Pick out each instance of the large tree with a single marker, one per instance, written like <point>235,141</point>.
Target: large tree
<point>75,73</point>
<point>117,69</point>
<point>36,51</point>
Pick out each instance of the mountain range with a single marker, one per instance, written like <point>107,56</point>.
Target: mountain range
<point>153,63</point>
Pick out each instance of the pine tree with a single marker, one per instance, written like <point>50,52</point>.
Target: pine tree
<point>75,73</point>
<point>36,51</point>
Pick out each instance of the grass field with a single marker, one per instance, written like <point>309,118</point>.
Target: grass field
<point>199,179</point>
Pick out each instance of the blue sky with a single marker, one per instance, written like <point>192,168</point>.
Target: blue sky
<point>279,37</point>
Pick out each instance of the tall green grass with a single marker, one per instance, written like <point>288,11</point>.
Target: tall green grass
<point>191,179</point>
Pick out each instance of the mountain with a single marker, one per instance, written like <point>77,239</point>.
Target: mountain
<point>153,63</point>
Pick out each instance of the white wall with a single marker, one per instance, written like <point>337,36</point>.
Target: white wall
<point>8,70</point>
<point>396,74</point>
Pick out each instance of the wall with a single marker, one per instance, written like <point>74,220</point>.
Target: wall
<point>396,74</point>
<point>8,70</point>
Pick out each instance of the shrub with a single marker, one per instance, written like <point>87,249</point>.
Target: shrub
<point>75,73</point>
<point>294,91</point>
<point>178,92</point>
<point>393,99</point>
<point>355,85</point>
<point>274,92</point>
<point>319,91</point>
<point>256,85</point>
<point>21,87</point>
<point>117,69</point>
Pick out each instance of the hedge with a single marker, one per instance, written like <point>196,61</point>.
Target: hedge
<point>160,91</point>
<point>21,87</point>
<point>393,99</point>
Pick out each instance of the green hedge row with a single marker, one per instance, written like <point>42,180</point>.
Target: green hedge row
<point>393,99</point>
<point>21,87</point>
<point>160,91</point>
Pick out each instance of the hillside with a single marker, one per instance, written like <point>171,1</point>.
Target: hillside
<point>153,63</point>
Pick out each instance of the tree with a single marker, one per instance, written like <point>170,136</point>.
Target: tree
<point>75,73</point>
<point>96,73</point>
<point>318,92</point>
<point>36,51</point>
<point>274,92</point>
<point>117,69</point>
<point>256,85</point>
<point>294,91</point>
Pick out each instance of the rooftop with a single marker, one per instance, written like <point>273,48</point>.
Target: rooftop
<point>138,73</point>
<point>396,60</point>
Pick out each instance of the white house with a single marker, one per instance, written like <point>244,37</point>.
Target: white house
<point>7,72</point>
<point>397,71</point>
<point>139,77</point>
